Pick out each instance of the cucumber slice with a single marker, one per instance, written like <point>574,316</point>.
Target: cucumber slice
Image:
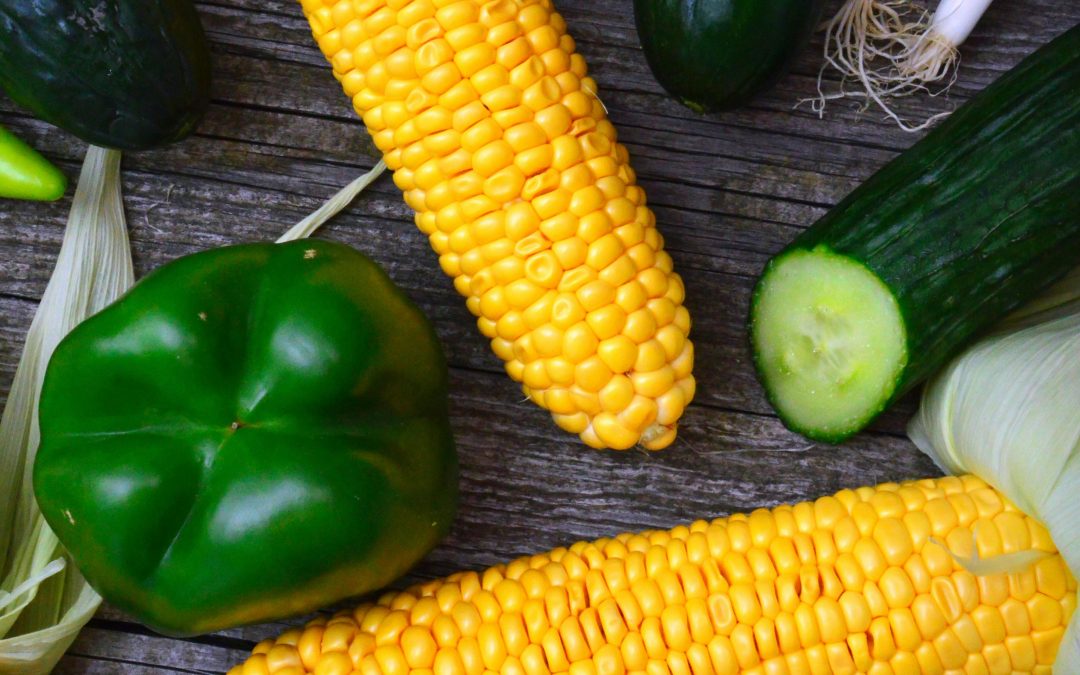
<point>949,237</point>
<point>829,341</point>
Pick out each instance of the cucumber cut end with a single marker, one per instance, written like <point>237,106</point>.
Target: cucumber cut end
<point>829,342</point>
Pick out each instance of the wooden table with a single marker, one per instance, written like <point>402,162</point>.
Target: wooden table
<point>729,190</point>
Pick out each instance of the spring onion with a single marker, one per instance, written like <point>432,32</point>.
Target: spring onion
<point>893,49</point>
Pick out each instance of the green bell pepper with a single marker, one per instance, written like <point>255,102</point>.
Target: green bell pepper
<point>251,432</point>
<point>24,174</point>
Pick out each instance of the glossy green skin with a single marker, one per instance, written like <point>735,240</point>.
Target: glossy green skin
<point>717,54</point>
<point>24,174</point>
<point>125,74</point>
<point>251,432</point>
<point>974,219</point>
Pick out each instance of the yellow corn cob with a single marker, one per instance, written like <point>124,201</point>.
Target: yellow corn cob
<point>486,116</point>
<point>863,581</point>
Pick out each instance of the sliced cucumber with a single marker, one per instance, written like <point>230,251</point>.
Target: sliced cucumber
<point>829,340</point>
<point>946,239</point>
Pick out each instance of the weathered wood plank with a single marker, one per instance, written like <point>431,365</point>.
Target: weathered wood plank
<point>729,190</point>
<point>112,651</point>
<point>718,301</point>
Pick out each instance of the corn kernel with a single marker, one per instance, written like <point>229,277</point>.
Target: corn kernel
<point>607,322</point>
<point>542,94</point>
<point>594,226</point>
<point>1050,578</point>
<point>513,53</point>
<point>501,98</point>
<point>493,157</point>
<point>856,611</point>
<point>619,353</point>
<point>1021,653</point>
<point>472,60</point>
<point>497,12</point>
<point>460,94</point>
<point>928,617</point>
<point>604,251</point>
<point>554,120</point>
<point>742,640</point>
<point>458,14</point>
<point>527,73</point>
<point>387,42</point>
<point>1046,643</point>
<point>566,152</point>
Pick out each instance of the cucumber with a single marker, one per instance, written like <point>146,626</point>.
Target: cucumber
<point>942,242</point>
<point>717,54</point>
<point>126,74</point>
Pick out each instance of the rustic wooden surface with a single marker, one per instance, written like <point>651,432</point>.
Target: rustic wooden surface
<point>729,190</point>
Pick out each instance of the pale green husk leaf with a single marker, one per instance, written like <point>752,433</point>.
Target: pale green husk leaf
<point>1008,411</point>
<point>343,198</point>
<point>44,601</point>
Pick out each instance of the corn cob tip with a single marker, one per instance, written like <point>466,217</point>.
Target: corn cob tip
<point>492,126</point>
<point>658,437</point>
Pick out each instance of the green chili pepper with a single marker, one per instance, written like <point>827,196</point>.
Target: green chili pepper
<point>251,432</point>
<point>24,174</point>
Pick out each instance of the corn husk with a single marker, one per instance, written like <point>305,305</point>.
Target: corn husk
<point>1008,410</point>
<point>306,227</point>
<point>44,601</point>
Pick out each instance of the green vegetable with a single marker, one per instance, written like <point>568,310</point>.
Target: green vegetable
<point>127,74</point>
<point>250,432</point>
<point>946,239</point>
<point>24,174</point>
<point>717,54</point>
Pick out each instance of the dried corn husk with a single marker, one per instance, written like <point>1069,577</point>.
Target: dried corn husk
<point>44,601</point>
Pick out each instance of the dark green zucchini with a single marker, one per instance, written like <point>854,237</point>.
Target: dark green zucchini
<point>945,240</point>
<point>717,54</point>
<point>127,74</point>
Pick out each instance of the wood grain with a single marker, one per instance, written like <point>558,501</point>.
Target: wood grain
<point>729,190</point>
